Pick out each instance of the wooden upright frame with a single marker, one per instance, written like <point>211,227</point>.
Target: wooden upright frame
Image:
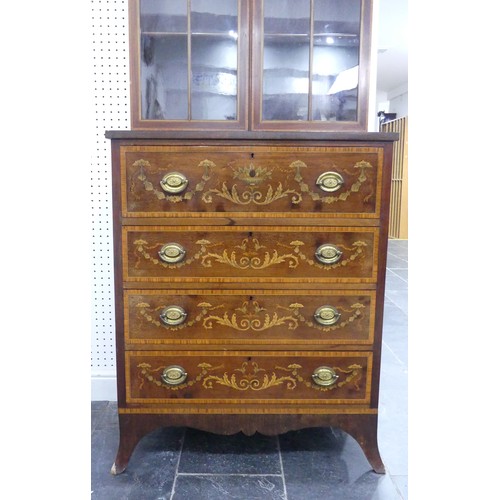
<point>249,86</point>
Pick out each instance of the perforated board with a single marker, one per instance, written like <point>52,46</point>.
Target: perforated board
<point>110,63</point>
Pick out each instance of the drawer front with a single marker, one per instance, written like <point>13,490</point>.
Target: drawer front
<point>157,317</point>
<point>248,377</point>
<point>258,180</point>
<point>250,254</point>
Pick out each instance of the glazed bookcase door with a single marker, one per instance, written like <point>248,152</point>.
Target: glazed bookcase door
<point>250,64</point>
<point>189,62</point>
<point>310,68</point>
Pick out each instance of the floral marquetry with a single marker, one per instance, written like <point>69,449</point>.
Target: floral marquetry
<point>249,271</point>
<point>261,318</point>
<point>256,255</point>
<point>251,376</point>
<point>257,179</point>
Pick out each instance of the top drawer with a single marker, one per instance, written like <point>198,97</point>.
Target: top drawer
<point>256,180</point>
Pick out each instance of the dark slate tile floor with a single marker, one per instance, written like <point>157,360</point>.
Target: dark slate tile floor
<point>326,464</point>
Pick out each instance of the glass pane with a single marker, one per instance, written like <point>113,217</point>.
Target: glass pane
<point>164,77</point>
<point>287,16</point>
<point>335,60</point>
<point>208,16</point>
<point>335,82</point>
<point>214,62</point>
<point>163,16</point>
<point>286,78</point>
<point>337,17</point>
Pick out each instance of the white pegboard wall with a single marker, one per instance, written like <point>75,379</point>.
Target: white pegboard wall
<point>110,65</point>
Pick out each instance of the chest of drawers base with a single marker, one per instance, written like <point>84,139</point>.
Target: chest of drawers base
<point>249,282</point>
<point>361,426</point>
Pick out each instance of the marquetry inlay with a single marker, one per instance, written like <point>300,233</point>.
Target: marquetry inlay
<point>249,254</point>
<point>253,184</point>
<point>249,316</point>
<point>250,377</point>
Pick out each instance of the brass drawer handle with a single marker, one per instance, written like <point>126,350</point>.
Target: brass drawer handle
<point>174,183</point>
<point>326,315</point>
<point>324,376</point>
<point>173,315</point>
<point>328,254</point>
<point>330,181</point>
<point>174,375</point>
<point>172,253</point>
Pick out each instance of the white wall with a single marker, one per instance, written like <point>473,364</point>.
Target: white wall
<point>395,101</point>
<point>398,99</point>
<point>109,52</point>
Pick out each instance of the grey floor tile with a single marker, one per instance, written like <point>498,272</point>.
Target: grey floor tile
<point>393,377</point>
<point>393,415</point>
<point>401,483</point>
<point>398,348</point>
<point>151,470</point>
<point>396,262</point>
<point>216,487</point>
<point>395,282</point>
<point>208,453</point>
<point>398,243</point>
<point>402,273</point>
<point>395,321</point>
<point>104,414</point>
<point>393,443</point>
<point>395,333</point>
<point>399,298</point>
<point>319,463</point>
<point>399,249</point>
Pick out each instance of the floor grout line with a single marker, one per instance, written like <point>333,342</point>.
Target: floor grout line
<point>394,354</point>
<point>282,469</point>
<point>396,276</point>
<point>396,256</point>
<point>387,298</point>
<point>177,466</point>
<point>224,474</point>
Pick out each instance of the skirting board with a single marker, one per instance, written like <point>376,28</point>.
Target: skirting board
<point>103,389</point>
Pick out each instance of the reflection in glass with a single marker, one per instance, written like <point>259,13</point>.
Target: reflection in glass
<point>214,62</point>
<point>164,77</point>
<point>286,78</point>
<point>337,16</point>
<point>189,59</point>
<point>335,60</point>
<point>311,78</point>
<point>160,16</point>
<point>208,16</point>
<point>335,82</point>
<point>287,16</point>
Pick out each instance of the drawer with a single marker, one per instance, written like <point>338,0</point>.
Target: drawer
<point>159,317</point>
<point>250,254</point>
<point>248,377</point>
<point>258,180</point>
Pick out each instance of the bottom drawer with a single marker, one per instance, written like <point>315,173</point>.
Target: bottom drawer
<point>212,377</point>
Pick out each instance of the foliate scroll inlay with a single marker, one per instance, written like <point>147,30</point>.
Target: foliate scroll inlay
<point>151,315</point>
<point>360,166</point>
<point>143,166</point>
<point>253,184</point>
<point>250,377</point>
<point>249,254</point>
<point>250,316</point>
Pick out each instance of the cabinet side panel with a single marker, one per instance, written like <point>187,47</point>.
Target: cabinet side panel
<point>117,249</point>
<point>382,263</point>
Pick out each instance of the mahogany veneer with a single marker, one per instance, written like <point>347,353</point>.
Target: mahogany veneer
<point>252,298</point>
